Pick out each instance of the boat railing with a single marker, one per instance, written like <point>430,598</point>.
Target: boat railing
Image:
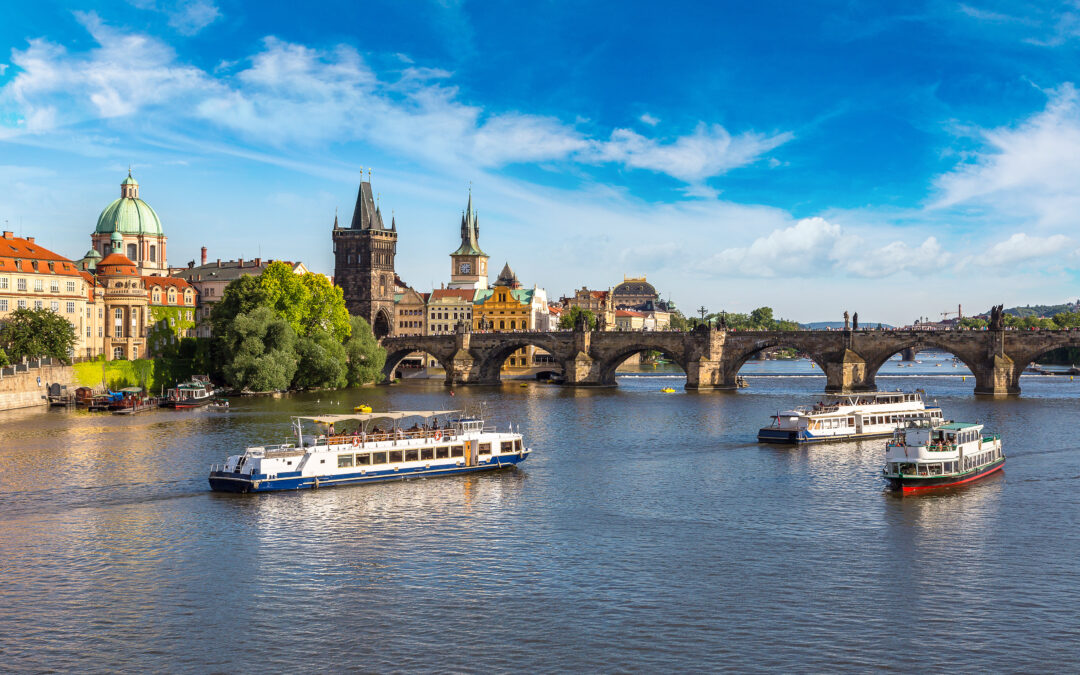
<point>362,439</point>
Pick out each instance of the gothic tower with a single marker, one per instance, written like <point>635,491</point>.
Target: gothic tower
<point>364,262</point>
<point>468,264</point>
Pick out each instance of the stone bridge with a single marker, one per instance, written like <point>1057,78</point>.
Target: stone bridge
<point>712,358</point>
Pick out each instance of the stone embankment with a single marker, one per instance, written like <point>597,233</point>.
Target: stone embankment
<point>25,385</point>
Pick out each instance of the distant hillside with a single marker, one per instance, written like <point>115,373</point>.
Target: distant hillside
<point>1041,310</point>
<point>822,325</point>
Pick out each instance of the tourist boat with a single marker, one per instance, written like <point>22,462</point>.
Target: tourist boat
<point>448,443</point>
<point>927,454</point>
<point>193,394</point>
<point>848,417</point>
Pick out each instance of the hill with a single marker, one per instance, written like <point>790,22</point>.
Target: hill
<point>822,325</point>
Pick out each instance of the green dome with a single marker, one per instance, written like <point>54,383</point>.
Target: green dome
<point>129,215</point>
<point>129,181</point>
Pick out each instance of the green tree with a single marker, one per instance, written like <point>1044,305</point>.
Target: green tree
<point>321,362</point>
<point>4,360</point>
<point>325,309</point>
<point>33,333</point>
<point>365,357</point>
<point>258,349</point>
<point>570,319</point>
<point>678,321</point>
<point>240,297</point>
<point>286,294</point>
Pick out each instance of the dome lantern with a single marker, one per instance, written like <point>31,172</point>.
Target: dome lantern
<point>129,214</point>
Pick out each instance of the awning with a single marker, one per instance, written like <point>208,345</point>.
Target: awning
<point>365,417</point>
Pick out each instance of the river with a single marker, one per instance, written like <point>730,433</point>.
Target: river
<point>647,532</point>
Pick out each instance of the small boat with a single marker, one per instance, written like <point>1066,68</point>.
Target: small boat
<point>926,454</point>
<point>740,382</point>
<point>848,417</point>
<point>192,394</point>
<point>362,408</point>
<point>132,400</point>
<point>451,443</point>
<point>667,390</point>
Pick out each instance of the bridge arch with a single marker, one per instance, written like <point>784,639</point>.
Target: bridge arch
<point>381,323</point>
<point>612,361</point>
<point>395,357</point>
<point>493,356</point>
<point>783,342</point>
<point>968,356</point>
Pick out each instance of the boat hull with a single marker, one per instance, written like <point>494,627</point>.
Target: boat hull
<point>223,481</point>
<point>795,437</point>
<point>184,405</point>
<point>916,483</point>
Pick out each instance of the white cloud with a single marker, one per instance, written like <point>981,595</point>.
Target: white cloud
<point>649,119</point>
<point>293,94</point>
<point>1028,172</point>
<point>190,17</point>
<point>1021,247</point>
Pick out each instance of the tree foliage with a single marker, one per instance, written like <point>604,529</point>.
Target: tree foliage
<point>321,362</point>
<point>33,333</point>
<point>569,319</point>
<point>365,358</point>
<point>259,351</point>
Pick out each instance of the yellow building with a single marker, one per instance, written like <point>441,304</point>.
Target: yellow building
<point>504,309</point>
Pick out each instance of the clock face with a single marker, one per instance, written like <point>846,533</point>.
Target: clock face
<point>465,268</point>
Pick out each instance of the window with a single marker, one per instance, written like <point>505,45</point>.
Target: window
<point>457,451</point>
<point>134,351</point>
<point>378,458</point>
<point>485,449</point>
<point>71,308</point>
<point>118,353</point>
<point>37,304</point>
<point>3,305</point>
<point>412,455</point>
<point>344,461</point>
<point>187,315</point>
<point>88,332</point>
<point>153,253</point>
<point>427,453</point>
<point>70,286</point>
<point>157,296</point>
<point>99,331</point>
<point>133,251</point>
<point>20,284</point>
<point>507,446</point>
<point>443,452</point>
<point>54,286</point>
<point>517,445</point>
<point>3,282</point>
<point>39,285</point>
<point>394,456</point>
<point>363,460</point>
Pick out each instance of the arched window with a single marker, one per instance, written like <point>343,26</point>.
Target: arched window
<point>133,251</point>
<point>172,296</point>
<point>502,324</point>
<point>157,295</point>
<point>153,253</point>
<point>117,353</point>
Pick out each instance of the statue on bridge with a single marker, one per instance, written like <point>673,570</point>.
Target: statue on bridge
<point>847,321</point>
<point>997,317</point>
<point>855,321</point>
<point>721,321</point>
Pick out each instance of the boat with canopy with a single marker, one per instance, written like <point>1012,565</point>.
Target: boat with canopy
<point>344,449</point>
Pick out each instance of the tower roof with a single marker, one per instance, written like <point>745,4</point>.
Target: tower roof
<point>129,214</point>
<point>470,232</point>
<point>507,277</point>
<point>366,215</point>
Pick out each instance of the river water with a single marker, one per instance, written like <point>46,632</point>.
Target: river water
<point>647,532</point>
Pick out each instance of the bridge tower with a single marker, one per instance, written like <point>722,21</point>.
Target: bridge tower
<point>364,262</point>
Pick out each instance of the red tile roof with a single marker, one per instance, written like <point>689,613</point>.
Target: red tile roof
<point>119,264</point>
<point>465,294</point>
<point>32,258</point>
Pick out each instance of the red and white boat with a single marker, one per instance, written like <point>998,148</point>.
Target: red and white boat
<point>925,455</point>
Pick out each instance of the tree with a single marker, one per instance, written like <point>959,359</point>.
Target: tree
<point>240,297</point>
<point>678,321</point>
<point>286,294</point>
<point>34,333</point>
<point>570,319</point>
<point>365,356</point>
<point>258,348</point>
<point>321,362</point>
<point>325,308</point>
<point>4,361</point>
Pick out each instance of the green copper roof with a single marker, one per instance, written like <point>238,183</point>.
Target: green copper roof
<point>129,181</point>
<point>956,426</point>
<point>522,295</point>
<point>129,216</point>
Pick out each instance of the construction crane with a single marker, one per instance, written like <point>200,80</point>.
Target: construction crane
<point>959,314</point>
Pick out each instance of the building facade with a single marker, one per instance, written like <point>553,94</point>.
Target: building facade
<point>364,263</point>
<point>600,303</point>
<point>448,306</point>
<point>468,264</point>
<point>632,292</point>
<point>142,237</point>
<point>410,315</point>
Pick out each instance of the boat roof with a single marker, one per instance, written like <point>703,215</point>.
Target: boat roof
<point>364,417</point>
<point>955,426</point>
<point>131,390</point>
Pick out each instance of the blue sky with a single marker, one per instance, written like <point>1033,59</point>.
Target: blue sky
<point>814,157</point>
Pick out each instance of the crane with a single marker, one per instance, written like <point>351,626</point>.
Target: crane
<point>959,313</point>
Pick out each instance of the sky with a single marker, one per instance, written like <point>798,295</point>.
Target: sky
<point>813,157</point>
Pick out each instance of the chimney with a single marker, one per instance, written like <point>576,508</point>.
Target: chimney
<point>203,255</point>
<point>9,235</point>
<point>240,263</point>
<point>258,261</point>
<point>30,240</point>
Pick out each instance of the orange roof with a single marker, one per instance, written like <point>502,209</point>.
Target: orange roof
<point>32,258</point>
<point>175,282</point>
<point>627,312</point>
<point>555,309</point>
<point>465,294</point>
<point>119,263</point>
<point>600,295</point>
<point>92,284</point>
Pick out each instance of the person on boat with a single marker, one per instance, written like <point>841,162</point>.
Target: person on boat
<point>330,431</point>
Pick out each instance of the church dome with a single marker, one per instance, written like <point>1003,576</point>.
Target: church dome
<point>129,214</point>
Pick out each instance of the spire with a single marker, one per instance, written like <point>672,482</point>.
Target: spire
<point>335,218</point>
<point>393,221</point>
<point>470,233</point>
<point>365,214</point>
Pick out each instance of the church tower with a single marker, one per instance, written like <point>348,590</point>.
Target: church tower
<point>364,262</point>
<point>468,264</point>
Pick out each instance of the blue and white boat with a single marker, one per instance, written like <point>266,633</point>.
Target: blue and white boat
<point>847,417</point>
<point>332,450</point>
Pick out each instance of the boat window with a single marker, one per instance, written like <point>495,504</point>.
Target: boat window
<point>427,453</point>
<point>517,444</point>
<point>363,460</point>
<point>457,451</point>
<point>485,449</point>
<point>507,446</point>
<point>344,460</point>
<point>443,452</point>
<point>935,469</point>
<point>378,458</point>
<point>851,421</point>
<point>412,455</point>
<point>395,456</point>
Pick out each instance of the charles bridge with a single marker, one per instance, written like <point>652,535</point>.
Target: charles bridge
<point>850,359</point>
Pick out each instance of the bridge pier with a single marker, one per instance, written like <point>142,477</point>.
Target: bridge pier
<point>848,374</point>
<point>999,377</point>
<point>706,374</point>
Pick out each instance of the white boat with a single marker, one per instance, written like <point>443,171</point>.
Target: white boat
<point>348,449</point>
<point>927,455</point>
<point>848,417</point>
